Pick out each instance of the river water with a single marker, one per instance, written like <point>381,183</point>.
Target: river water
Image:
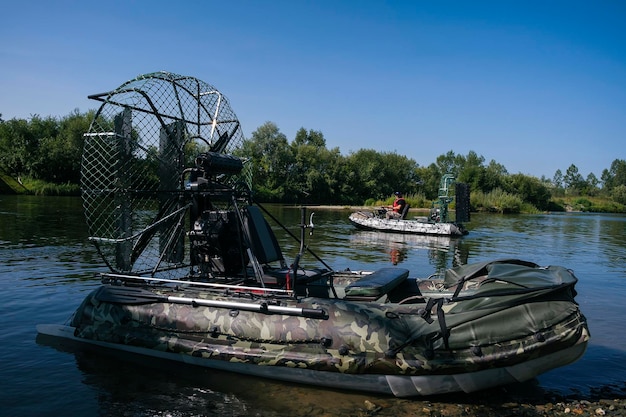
<point>47,267</point>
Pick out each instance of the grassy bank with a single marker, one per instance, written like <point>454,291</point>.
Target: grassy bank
<point>8,185</point>
<point>589,204</point>
<point>498,201</point>
<point>38,187</point>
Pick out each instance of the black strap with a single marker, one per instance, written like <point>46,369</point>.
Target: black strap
<point>459,287</point>
<point>445,332</point>
<point>441,317</point>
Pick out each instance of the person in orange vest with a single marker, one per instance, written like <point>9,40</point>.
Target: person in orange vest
<point>397,208</point>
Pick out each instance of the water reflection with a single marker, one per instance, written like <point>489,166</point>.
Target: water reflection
<point>153,386</point>
<point>397,255</point>
<point>342,246</point>
<point>442,251</point>
<point>36,221</point>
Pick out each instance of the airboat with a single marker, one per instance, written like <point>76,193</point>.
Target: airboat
<point>195,273</point>
<point>437,223</point>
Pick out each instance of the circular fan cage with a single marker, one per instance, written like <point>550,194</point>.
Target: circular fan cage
<point>147,141</point>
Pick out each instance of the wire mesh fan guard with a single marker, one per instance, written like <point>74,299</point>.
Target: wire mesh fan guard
<point>141,140</point>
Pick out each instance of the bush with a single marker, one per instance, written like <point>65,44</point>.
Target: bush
<point>590,204</point>
<point>619,194</point>
<point>583,204</point>
<point>370,202</point>
<point>39,187</point>
<point>556,205</point>
<point>498,201</point>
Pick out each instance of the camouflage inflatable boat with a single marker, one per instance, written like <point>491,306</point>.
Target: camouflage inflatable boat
<point>196,274</point>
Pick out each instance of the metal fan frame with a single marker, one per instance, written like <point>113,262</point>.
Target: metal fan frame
<point>142,143</point>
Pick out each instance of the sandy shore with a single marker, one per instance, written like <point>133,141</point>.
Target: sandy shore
<point>525,399</point>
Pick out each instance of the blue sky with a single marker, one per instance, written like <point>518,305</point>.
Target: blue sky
<point>534,85</point>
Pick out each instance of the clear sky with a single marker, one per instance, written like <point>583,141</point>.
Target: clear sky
<point>534,85</point>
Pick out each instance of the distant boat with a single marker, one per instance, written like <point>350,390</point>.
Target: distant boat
<point>437,223</point>
<point>421,226</point>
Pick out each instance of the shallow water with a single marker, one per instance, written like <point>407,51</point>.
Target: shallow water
<point>47,267</point>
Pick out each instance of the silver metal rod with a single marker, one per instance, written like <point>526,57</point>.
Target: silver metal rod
<point>198,283</point>
<point>261,308</point>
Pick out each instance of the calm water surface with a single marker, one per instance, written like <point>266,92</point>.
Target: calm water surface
<point>47,267</point>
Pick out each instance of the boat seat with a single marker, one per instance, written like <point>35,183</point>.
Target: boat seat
<point>405,211</point>
<point>373,286</point>
<point>263,241</point>
<point>267,251</point>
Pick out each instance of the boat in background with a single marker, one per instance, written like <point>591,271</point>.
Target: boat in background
<point>438,222</point>
<point>196,274</point>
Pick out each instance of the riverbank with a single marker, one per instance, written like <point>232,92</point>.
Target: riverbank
<point>526,399</point>
<point>500,403</point>
<point>519,400</point>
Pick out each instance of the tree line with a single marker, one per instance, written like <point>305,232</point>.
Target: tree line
<point>305,170</point>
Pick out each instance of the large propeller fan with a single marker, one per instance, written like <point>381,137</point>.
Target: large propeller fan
<point>155,144</point>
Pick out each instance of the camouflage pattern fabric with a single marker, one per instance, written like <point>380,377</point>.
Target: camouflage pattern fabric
<point>502,328</point>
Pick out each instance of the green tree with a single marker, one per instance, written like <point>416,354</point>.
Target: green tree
<point>471,170</point>
<point>557,181</point>
<point>401,173</point>
<point>618,167</point>
<point>531,190</point>
<point>377,175</point>
<point>619,194</point>
<point>312,138</point>
<point>44,131</point>
<point>591,185</point>
<point>60,154</point>
<point>366,181</point>
<point>19,147</point>
<point>271,160</point>
<point>307,181</point>
<point>430,178</point>
<point>450,163</point>
<point>318,171</point>
<point>494,176</point>
<point>573,181</point>
<point>615,175</point>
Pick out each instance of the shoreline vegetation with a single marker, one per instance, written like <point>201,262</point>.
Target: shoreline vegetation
<point>497,201</point>
<point>42,156</point>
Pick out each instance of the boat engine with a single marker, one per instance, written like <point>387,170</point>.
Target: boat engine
<point>214,233</point>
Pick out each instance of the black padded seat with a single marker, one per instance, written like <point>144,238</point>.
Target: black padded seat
<point>405,211</point>
<point>376,284</point>
<point>264,244</point>
<point>265,248</point>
